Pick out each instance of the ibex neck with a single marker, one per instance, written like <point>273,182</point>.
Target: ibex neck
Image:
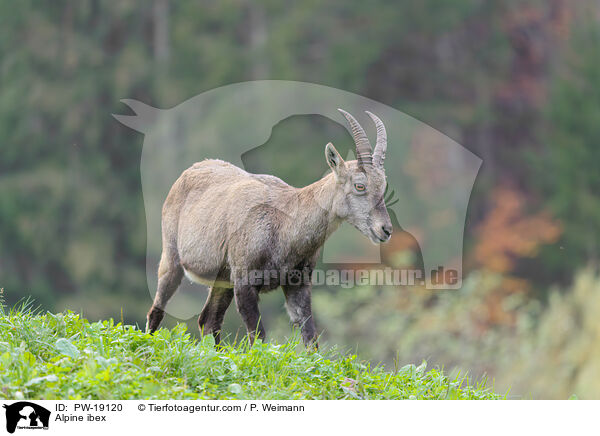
<point>314,219</point>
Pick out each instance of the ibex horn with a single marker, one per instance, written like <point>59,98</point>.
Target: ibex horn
<point>381,145</point>
<point>364,151</point>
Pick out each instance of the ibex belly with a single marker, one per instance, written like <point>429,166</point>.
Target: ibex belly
<point>207,281</point>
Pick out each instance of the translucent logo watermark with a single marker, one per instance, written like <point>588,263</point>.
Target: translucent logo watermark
<point>429,175</point>
<point>346,278</point>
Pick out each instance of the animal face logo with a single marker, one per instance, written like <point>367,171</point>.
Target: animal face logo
<point>27,415</point>
<point>425,187</point>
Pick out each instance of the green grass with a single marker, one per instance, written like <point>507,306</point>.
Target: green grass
<point>63,356</point>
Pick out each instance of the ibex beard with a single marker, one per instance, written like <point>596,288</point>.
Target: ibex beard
<point>220,223</point>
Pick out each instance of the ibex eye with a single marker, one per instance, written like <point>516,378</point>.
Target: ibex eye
<point>359,187</point>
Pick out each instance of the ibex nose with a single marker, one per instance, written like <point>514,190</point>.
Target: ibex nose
<point>387,230</point>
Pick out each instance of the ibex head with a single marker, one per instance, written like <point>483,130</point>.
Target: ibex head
<point>361,183</point>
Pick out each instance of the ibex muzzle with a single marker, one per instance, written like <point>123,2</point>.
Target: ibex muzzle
<point>221,224</point>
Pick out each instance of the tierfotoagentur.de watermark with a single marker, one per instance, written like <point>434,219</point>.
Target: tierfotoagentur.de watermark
<point>345,278</point>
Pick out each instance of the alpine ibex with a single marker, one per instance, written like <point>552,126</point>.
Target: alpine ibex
<point>220,224</point>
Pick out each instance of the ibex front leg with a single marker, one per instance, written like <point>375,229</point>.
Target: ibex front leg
<point>246,301</point>
<point>298,305</point>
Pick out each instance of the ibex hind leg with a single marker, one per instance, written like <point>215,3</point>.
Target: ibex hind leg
<point>170,274</point>
<point>211,317</point>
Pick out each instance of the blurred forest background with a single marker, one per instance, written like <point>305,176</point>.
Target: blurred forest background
<point>516,82</point>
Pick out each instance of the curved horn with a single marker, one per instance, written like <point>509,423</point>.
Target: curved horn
<point>364,153</point>
<point>381,145</point>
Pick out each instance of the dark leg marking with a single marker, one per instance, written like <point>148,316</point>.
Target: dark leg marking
<point>246,301</point>
<point>154,317</point>
<point>299,308</point>
<point>211,317</point>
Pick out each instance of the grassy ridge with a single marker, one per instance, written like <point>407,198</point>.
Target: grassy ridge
<point>60,356</point>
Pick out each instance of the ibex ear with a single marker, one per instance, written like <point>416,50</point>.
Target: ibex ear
<point>335,162</point>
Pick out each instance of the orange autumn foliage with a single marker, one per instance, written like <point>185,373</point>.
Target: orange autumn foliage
<point>509,233</point>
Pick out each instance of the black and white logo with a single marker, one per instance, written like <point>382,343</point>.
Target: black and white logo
<point>26,415</point>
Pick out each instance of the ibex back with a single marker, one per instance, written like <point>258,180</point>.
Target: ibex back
<point>226,228</point>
